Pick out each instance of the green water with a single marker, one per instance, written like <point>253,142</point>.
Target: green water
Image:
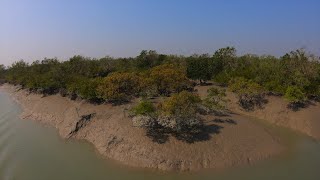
<point>29,151</point>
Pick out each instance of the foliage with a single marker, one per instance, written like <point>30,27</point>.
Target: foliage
<point>296,75</point>
<point>17,73</point>
<point>181,104</point>
<point>119,87</point>
<point>225,53</point>
<point>168,78</point>
<point>163,75</point>
<point>2,74</point>
<point>145,108</point>
<point>148,59</point>
<point>215,100</point>
<point>295,95</point>
<point>84,87</point>
<point>225,63</point>
<point>2,70</point>
<point>250,94</point>
<point>179,112</point>
<point>198,68</point>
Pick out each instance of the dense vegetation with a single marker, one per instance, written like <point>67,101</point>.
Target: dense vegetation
<point>295,76</point>
<point>178,115</point>
<point>250,93</point>
<point>2,71</point>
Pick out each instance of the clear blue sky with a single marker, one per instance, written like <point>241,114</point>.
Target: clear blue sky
<point>34,29</point>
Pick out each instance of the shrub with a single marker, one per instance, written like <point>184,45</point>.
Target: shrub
<point>222,78</point>
<point>145,108</point>
<point>179,112</point>
<point>317,93</point>
<point>143,121</point>
<point>295,95</point>
<point>275,87</point>
<point>168,78</point>
<point>200,68</point>
<point>84,87</point>
<point>250,94</point>
<point>215,100</point>
<point>148,87</point>
<point>119,87</point>
<point>148,59</point>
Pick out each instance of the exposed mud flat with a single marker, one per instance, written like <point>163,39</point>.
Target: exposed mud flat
<point>231,140</point>
<point>275,111</point>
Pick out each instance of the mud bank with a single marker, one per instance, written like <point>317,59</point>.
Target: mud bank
<point>305,120</point>
<point>231,140</point>
<point>275,111</point>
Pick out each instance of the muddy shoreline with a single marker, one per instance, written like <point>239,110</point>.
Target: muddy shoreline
<point>275,111</point>
<point>238,142</point>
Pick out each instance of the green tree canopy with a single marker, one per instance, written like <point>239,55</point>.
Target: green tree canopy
<point>168,78</point>
<point>250,94</point>
<point>119,87</point>
<point>200,68</point>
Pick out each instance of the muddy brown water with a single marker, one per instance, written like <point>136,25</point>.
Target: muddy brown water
<point>29,151</point>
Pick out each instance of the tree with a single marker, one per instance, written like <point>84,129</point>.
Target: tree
<point>2,74</point>
<point>299,69</point>
<point>119,87</point>
<point>179,112</point>
<point>44,77</point>
<point>17,73</point>
<point>160,74</point>
<point>176,115</point>
<point>226,56</point>
<point>168,78</point>
<point>199,68</point>
<point>144,108</point>
<point>250,94</point>
<point>148,59</point>
<point>2,68</point>
<point>295,96</point>
<point>84,87</point>
<point>215,100</point>
<point>224,64</point>
<point>105,66</point>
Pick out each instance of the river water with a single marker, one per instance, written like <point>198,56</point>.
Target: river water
<point>29,151</point>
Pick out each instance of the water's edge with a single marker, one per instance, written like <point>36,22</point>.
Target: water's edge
<point>113,135</point>
<point>30,151</point>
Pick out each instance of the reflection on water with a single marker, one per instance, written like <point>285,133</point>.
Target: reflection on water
<point>29,151</point>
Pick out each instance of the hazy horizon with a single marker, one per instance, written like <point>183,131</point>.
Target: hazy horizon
<point>34,29</point>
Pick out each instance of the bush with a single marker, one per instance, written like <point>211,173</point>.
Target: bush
<point>200,68</point>
<point>250,94</point>
<point>179,112</point>
<point>119,87</point>
<point>168,78</point>
<point>84,87</point>
<point>148,59</point>
<point>215,100</point>
<point>145,108</point>
<point>2,73</point>
<point>295,95</point>
<point>296,68</point>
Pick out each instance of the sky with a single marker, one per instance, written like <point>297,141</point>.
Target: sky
<point>35,29</point>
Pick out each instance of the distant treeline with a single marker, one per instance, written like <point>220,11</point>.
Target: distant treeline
<point>295,75</point>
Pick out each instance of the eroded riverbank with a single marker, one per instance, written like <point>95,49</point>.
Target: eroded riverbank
<point>29,151</point>
<point>229,143</point>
